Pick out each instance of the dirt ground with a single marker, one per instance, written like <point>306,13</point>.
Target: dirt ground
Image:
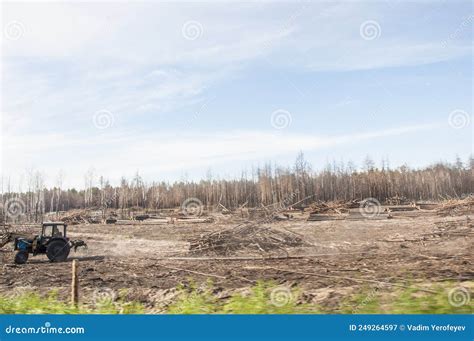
<point>342,256</point>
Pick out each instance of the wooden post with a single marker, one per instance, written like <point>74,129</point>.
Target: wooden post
<point>74,284</point>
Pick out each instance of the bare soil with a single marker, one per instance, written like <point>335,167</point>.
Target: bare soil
<point>339,257</point>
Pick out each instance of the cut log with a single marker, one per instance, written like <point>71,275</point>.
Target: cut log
<point>400,208</point>
<point>325,217</point>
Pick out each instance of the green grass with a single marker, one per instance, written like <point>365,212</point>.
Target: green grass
<point>407,301</point>
<point>259,300</point>
<point>33,303</point>
<point>194,301</point>
<point>262,298</point>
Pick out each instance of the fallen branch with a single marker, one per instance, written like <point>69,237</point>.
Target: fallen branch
<point>192,271</point>
<point>206,274</point>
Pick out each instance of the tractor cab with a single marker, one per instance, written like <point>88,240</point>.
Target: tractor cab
<point>53,230</point>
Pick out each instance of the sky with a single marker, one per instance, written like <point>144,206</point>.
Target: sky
<point>175,90</point>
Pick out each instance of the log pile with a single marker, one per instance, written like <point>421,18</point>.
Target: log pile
<point>333,207</point>
<point>332,210</point>
<point>76,217</point>
<point>397,201</point>
<point>5,238</point>
<point>246,238</point>
<point>8,236</point>
<point>429,206</point>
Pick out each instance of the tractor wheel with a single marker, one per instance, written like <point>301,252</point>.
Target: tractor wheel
<point>21,257</point>
<point>57,251</point>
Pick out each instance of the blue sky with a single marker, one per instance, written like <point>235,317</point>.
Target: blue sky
<point>175,89</point>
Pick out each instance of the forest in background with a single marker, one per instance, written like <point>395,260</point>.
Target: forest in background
<point>261,186</point>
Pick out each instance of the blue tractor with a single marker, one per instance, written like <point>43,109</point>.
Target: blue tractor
<point>52,241</point>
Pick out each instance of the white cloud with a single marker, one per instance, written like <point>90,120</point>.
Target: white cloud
<point>356,57</point>
<point>74,59</point>
<point>321,36</point>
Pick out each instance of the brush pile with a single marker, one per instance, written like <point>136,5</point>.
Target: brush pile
<point>456,207</point>
<point>245,239</point>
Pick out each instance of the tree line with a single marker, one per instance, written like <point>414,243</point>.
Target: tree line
<point>262,186</point>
